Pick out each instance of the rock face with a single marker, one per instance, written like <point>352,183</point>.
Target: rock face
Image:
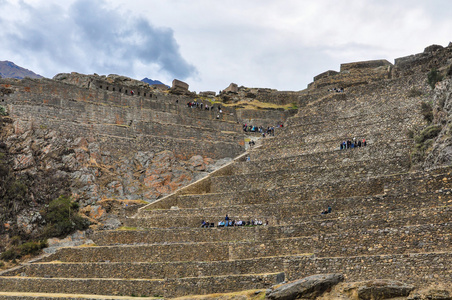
<point>306,288</point>
<point>441,153</point>
<point>89,81</point>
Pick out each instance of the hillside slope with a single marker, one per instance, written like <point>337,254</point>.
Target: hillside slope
<point>10,70</point>
<point>377,210</point>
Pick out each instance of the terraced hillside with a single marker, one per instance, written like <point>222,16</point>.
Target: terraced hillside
<point>387,221</point>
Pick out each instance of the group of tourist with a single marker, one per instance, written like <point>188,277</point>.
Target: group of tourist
<point>228,222</point>
<point>202,106</point>
<point>196,104</point>
<point>270,130</point>
<point>354,143</point>
<point>327,210</point>
<point>337,90</point>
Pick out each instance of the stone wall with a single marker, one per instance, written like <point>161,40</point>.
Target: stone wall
<point>168,288</point>
<point>110,135</point>
<point>370,64</point>
<point>309,214</point>
<point>296,220</point>
<point>279,178</point>
<point>410,268</point>
<point>264,118</point>
<point>156,270</point>
<point>368,241</point>
<point>435,56</point>
<point>352,74</point>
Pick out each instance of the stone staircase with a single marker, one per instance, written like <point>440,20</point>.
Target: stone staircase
<point>386,221</point>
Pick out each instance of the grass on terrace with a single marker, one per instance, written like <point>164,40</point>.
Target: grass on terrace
<point>255,104</point>
<point>247,104</point>
<point>243,295</point>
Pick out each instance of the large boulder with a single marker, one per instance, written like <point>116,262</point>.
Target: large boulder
<point>306,288</point>
<point>232,88</point>
<point>379,289</point>
<point>179,87</point>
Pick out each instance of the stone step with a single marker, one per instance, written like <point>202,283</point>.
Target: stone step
<point>373,133</point>
<point>297,206</point>
<point>415,238</point>
<point>351,104</point>
<point>346,123</point>
<point>117,137</point>
<point>270,162</point>
<point>309,117</point>
<point>295,227</point>
<point>419,269</point>
<point>406,183</point>
<point>430,268</point>
<point>290,219</point>
<point>169,287</point>
<point>315,191</point>
<point>147,121</point>
<point>410,239</point>
<point>284,149</point>
<point>46,296</point>
<point>157,270</point>
<point>309,175</point>
<point>102,102</point>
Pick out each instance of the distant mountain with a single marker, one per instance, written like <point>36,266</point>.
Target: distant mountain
<point>151,82</point>
<point>11,70</point>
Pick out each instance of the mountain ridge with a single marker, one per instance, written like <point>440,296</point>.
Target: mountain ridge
<point>9,69</point>
<point>151,81</point>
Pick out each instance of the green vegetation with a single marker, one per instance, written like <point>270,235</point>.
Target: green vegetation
<point>62,218</point>
<point>13,192</point>
<point>293,106</point>
<point>3,111</point>
<point>28,248</point>
<point>256,104</point>
<point>414,93</point>
<point>433,77</point>
<point>424,141</point>
<point>427,111</point>
<point>126,228</point>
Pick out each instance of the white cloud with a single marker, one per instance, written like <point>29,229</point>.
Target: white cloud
<point>88,36</point>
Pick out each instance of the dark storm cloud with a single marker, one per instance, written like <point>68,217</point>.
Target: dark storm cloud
<point>91,37</point>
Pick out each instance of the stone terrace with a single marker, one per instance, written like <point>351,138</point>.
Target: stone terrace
<point>157,122</point>
<point>386,221</point>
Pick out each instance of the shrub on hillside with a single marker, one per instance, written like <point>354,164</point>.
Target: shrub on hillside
<point>3,111</point>
<point>433,77</point>
<point>28,248</point>
<point>428,133</point>
<point>62,218</point>
<point>414,93</point>
<point>427,111</point>
<point>424,141</point>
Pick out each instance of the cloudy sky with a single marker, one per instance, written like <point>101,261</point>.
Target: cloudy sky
<point>208,44</point>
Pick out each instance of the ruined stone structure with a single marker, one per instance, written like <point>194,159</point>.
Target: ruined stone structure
<point>353,73</point>
<point>179,87</point>
<point>387,221</point>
